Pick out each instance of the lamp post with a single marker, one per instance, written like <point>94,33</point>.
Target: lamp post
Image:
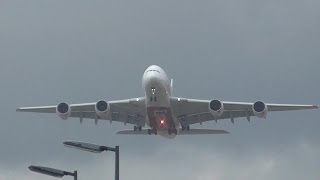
<point>53,172</point>
<point>96,149</point>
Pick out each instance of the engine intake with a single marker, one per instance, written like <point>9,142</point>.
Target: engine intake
<point>216,107</point>
<point>63,110</point>
<point>102,108</point>
<point>260,109</point>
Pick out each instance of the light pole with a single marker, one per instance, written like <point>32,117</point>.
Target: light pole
<point>53,172</point>
<point>96,149</point>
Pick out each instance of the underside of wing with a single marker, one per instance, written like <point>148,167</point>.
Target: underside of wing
<point>289,107</point>
<point>131,111</point>
<point>40,109</point>
<point>191,111</point>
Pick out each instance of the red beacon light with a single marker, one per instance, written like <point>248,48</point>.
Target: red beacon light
<point>162,122</point>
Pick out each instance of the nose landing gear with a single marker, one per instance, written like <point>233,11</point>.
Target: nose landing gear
<point>153,90</point>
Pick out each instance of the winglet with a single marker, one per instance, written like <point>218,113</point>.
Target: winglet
<point>315,106</point>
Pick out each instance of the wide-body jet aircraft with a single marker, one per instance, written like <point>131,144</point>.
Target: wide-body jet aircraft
<point>164,114</point>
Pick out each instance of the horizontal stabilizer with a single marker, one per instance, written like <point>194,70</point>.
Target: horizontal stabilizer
<point>180,132</point>
<point>130,132</point>
<point>202,131</point>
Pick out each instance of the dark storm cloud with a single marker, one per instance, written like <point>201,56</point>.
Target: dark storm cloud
<point>83,51</point>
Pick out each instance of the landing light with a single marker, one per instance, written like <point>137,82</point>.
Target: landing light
<point>162,122</point>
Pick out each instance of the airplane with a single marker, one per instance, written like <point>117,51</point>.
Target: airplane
<point>163,113</point>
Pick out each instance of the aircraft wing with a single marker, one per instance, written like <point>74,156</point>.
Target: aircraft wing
<point>130,111</point>
<point>192,111</point>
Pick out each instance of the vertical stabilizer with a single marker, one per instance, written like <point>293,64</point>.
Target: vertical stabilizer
<point>171,85</point>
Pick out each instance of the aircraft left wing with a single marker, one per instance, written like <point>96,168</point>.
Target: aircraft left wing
<point>192,111</point>
<point>130,111</point>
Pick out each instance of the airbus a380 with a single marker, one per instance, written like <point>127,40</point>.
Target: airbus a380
<point>164,114</point>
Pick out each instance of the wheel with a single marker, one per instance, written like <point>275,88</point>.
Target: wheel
<point>155,131</point>
<point>175,131</point>
<point>188,128</point>
<point>169,131</point>
<point>149,131</point>
<point>135,128</point>
<point>183,128</point>
<point>140,128</point>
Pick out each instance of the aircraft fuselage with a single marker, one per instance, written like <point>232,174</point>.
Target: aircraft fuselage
<point>158,90</point>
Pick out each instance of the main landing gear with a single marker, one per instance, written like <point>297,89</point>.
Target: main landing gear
<point>137,128</point>
<point>172,131</point>
<point>185,128</point>
<point>152,131</point>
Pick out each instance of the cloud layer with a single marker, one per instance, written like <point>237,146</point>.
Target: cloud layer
<point>82,51</point>
<point>297,161</point>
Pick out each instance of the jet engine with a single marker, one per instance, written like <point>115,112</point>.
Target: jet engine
<point>63,110</point>
<point>102,108</point>
<point>216,108</point>
<point>260,109</point>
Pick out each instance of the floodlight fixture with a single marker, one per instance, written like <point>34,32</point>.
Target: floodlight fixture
<point>53,172</point>
<point>88,147</point>
<point>95,149</point>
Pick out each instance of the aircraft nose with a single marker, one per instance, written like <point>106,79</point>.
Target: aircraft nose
<point>153,67</point>
<point>151,78</point>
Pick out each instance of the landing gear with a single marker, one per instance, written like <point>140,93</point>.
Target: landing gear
<point>152,131</point>
<point>172,131</point>
<point>137,128</point>
<point>185,128</point>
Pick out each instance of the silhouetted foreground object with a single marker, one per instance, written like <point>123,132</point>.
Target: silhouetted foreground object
<point>96,149</point>
<point>53,172</point>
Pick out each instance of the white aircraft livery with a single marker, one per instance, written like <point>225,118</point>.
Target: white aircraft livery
<point>162,113</point>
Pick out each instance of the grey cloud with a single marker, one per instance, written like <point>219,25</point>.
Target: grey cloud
<point>82,51</point>
<point>189,162</point>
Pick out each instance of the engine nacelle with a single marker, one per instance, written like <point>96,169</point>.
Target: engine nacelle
<point>260,109</point>
<point>63,110</point>
<point>216,108</point>
<point>102,108</point>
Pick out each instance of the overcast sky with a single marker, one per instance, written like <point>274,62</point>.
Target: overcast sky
<point>82,51</point>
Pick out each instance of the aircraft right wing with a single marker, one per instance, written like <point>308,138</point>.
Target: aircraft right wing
<point>192,111</point>
<point>131,111</point>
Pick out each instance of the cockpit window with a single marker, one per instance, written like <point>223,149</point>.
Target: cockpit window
<point>152,70</point>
